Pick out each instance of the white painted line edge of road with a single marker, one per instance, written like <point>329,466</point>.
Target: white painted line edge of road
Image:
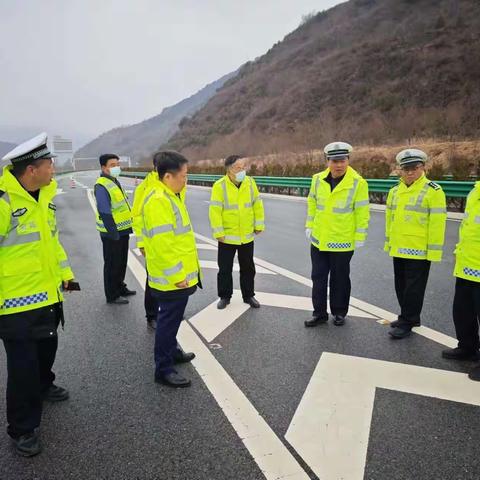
<point>267,450</point>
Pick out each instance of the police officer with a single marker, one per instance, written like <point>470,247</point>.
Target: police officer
<point>466,303</point>
<point>337,223</point>
<point>173,266</point>
<point>141,195</point>
<point>236,216</point>
<point>414,235</point>
<point>33,266</point>
<point>114,222</point>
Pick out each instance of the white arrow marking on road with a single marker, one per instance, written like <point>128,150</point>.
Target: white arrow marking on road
<point>331,426</point>
<point>60,191</point>
<point>268,451</point>
<point>211,322</point>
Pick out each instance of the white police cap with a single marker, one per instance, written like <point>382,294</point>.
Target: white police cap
<point>337,150</point>
<point>411,155</point>
<point>31,150</point>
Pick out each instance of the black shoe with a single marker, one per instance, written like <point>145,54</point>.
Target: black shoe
<point>127,293</point>
<point>474,374</point>
<point>55,394</point>
<point>252,301</point>
<point>183,357</point>
<point>222,303</point>
<point>314,321</point>
<point>460,354</point>
<point>152,323</point>
<point>119,301</point>
<point>174,380</point>
<point>339,320</point>
<point>400,332</point>
<point>28,445</point>
<point>396,323</point>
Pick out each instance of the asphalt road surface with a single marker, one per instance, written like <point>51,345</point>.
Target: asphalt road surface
<point>270,399</point>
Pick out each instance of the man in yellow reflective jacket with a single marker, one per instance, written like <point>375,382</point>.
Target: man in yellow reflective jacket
<point>33,269</point>
<point>337,223</point>
<point>141,195</point>
<point>114,222</point>
<point>236,216</point>
<point>466,303</point>
<point>414,235</point>
<point>172,262</point>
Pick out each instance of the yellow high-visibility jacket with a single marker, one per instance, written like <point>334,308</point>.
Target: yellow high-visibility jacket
<point>141,193</point>
<point>236,212</point>
<point>339,218</point>
<point>121,211</point>
<point>33,263</point>
<point>467,262</point>
<point>169,240</point>
<point>415,220</point>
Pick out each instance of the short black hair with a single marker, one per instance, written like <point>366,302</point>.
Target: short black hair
<point>19,168</point>
<point>168,161</point>
<point>103,159</point>
<point>231,159</point>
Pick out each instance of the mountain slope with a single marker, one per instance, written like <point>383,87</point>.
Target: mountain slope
<point>141,139</point>
<point>369,71</point>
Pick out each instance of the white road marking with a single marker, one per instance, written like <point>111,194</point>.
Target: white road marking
<point>213,265</point>
<point>268,451</point>
<point>137,252</point>
<point>331,426</point>
<point>205,246</point>
<point>60,191</point>
<point>380,313</point>
<point>211,322</point>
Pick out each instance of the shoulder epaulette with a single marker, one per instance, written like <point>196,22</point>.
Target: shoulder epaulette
<point>434,185</point>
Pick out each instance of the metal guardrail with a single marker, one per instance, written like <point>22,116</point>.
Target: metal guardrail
<point>301,185</point>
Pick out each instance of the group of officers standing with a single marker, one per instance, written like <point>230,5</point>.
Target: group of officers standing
<point>34,268</point>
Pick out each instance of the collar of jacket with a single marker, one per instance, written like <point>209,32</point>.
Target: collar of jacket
<point>113,179</point>
<point>347,180</point>
<point>167,190</point>
<point>11,185</point>
<point>416,185</point>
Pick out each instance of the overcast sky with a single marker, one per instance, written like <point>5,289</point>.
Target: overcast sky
<point>80,67</point>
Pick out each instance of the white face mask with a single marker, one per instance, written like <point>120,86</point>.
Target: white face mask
<point>240,176</point>
<point>115,172</point>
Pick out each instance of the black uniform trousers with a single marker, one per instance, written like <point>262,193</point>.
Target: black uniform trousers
<point>466,314</point>
<point>115,257</point>
<point>31,348</point>
<point>411,278</point>
<point>150,303</point>
<point>337,266</point>
<point>226,255</point>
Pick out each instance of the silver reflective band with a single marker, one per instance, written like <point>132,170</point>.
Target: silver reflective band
<point>310,219</point>
<point>362,203</point>
<point>477,219</point>
<point>258,199</point>
<point>192,276</point>
<point>217,230</point>
<point>173,270</point>
<point>158,230</point>
<point>314,240</point>
<point>412,251</point>
<point>23,301</point>
<point>248,205</point>
<point>435,247</point>
<point>232,238</point>
<point>361,230</point>
<point>415,208</point>
<point>14,238</point>
<point>259,224</point>
<point>249,236</point>
<point>342,210</point>
<point>320,207</point>
<point>181,228</point>
<point>64,264</point>
<point>159,280</point>
<point>215,203</point>
<point>437,210</point>
<point>227,205</point>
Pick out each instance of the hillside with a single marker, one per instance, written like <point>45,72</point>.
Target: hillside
<point>141,139</point>
<point>368,71</point>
